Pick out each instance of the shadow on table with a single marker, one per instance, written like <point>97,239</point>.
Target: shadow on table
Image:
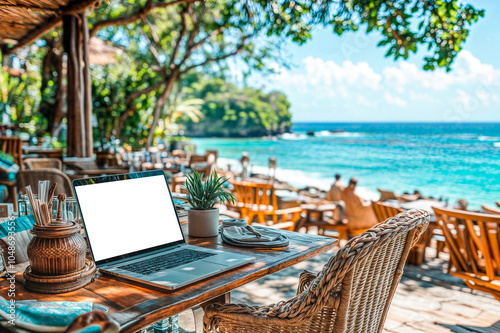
<point>495,328</point>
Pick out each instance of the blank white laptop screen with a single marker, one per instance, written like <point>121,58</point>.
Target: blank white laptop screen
<point>129,215</point>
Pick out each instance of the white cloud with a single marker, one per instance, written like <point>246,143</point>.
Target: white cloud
<point>395,100</point>
<point>352,86</point>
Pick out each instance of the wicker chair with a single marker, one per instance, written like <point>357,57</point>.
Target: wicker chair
<point>352,293</point>
<point>474,243</point>
<point>43,163</point>
<point>31,177</point>
<point>498,203</point>
<point>490,210</point>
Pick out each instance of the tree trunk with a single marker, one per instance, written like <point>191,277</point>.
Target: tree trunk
<point>76,126</point>
<point>87,88</point>
<point>60,96</point>
<point>121,121</point>
<point>159,106</point>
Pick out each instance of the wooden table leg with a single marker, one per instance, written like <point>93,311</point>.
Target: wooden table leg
<point>198,310</point>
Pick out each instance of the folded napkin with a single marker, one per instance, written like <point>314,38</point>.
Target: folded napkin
<point>255,237</point>
<point>250,234</point>
<point>53,317</point>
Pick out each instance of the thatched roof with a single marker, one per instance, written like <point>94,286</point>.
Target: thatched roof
<point>23,21</point>
<point>102,53</point>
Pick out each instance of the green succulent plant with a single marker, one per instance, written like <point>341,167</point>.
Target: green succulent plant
<point>204,195</point>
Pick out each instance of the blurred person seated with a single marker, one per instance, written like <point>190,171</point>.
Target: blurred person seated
<point>359,212</point>
<point>335,192</point>
<point>462,204</point>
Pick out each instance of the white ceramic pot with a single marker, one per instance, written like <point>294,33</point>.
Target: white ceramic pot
<point>203,223</point>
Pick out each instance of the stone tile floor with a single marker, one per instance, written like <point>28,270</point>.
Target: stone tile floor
<point>427,299</point>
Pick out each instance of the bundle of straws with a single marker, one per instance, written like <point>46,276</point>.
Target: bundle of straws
<point>42,207</point>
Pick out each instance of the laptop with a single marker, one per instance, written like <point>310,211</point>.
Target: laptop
<point>134,232</point>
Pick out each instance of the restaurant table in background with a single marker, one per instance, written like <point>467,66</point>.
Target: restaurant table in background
<point>43,152</point>
<point>315,216</point>
<point>135,307</point>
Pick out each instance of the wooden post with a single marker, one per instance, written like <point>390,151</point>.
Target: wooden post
<point>76,126</point>
<point>87,83</point>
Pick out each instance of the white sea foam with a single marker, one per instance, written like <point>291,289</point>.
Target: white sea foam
<point>292,136</point>
<point>297,178</point>
<point>496,144</point>
<point>488,138</point>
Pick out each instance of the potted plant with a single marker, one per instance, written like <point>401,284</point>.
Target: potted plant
<point>203,218</point>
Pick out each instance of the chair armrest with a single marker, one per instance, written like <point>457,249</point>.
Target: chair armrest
<point>288,211</point>
<point>305,279</point>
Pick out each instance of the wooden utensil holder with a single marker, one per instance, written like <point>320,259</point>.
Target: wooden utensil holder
<point>57,259</point>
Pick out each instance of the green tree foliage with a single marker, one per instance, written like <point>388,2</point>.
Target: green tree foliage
<point>176,37</point>
<point>231,111</point>
<point>164,41</point>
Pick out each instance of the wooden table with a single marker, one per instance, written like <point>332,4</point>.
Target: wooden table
<point>43,151</point>
<point>315,216</point>
<point>135,307</point>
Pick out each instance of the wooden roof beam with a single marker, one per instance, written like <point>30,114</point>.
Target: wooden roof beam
<point>51,24</point>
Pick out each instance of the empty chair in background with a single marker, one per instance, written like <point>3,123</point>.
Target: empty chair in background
<point>474,243</point>
<point>31,177</point>
<point>43,163</point>
<point>490,210</point>
<point>12,145</point>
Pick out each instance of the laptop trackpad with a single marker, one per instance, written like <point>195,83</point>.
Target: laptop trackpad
<point>200,268</point>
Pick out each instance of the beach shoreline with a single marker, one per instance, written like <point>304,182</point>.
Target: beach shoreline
<point>443,161</point>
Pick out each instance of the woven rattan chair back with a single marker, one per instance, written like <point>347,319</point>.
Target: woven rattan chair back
<point>474,243</point>
<point>351,294</point>
<point>43,163</point>
<point>384,211</point>
<point>490,210</point>
<point>254,199</point>
<point>12,145</point>
<point>31,177</point>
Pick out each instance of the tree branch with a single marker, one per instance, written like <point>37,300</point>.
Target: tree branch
<point>149,89</point>
<point>196,26</point>
<point>199,43</point>
<point>152,30</point>
<point>209,60</point>
<point>151,47</point>
<point>139,15</point>
<point>179,39</point>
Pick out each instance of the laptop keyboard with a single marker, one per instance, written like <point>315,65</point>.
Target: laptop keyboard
<point>166,261</point>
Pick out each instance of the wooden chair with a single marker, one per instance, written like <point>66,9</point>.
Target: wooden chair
<point>31,177</point>
<point>255,200</point>
<point>386,195</point>
<point>43,163</point>
<point>474,244</point>
<point>352,293</point>
<point>12,145</point>
<point>490,210</point>
<point>384,211</point>
<point>417,253</point>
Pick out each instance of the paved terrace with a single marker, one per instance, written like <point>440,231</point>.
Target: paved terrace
<point>427,299</point>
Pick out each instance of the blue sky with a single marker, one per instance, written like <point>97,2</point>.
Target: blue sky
<point>348,78</point>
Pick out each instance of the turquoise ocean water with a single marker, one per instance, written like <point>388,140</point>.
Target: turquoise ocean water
<point>451,161</point>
